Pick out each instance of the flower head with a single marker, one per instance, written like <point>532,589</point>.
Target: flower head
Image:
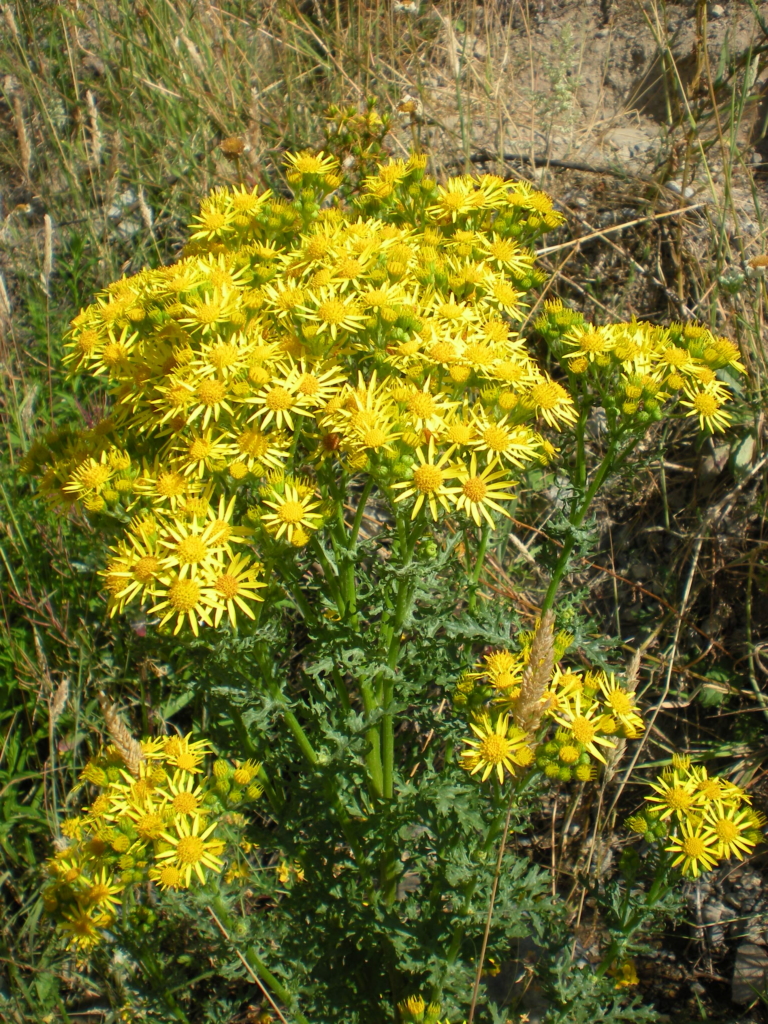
<point>498,748</point>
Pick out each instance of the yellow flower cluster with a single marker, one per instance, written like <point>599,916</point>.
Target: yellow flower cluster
<point>414,1010</point>
<point>291,347</point>
<point>588,709</point>
<point>162,824</point>
<point>706,818</point>
<point>650,367</point>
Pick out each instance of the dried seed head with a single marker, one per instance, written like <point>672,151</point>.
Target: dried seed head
<point>537,674</point>
<point>59,700</point>
<point>129,748</point>
<point>232,148</point>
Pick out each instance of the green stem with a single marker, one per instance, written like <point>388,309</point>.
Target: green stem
<point>373,735</point>
<point>392,637</point>
<point>659,889</point>
<point>148,959</point>
<point>478,568</point>
<point>576,519</point>
<point>257,964</point>
<point>313,760</point>
<point>295,727</point>
<point>357,522</point>
<point>581,463</point>
<point>330,576</point>
<point>341,689</point>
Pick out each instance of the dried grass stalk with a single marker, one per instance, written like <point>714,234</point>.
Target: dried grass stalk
<point>59,702</point>
<point>537,674</point>
<point>25,148</point>
<point>144,209</point>
<point>11,22</point>
<point>93,124</point>
<point>129,748</point>
<point>5,310</point>
<point>47,252</point>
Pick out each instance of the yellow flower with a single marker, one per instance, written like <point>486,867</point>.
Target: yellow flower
<point>258,448</point>
<point>213,222</point>
<point>280,401</point>
<point>625,974</point>
<point>425,412</point>
<point>90,477</point>
<point>456,198</point>
<point>676,796</point>
<point>479,492</point>
<point>493,750</point>
<point>210,312</point>
<point>245,772</point>
<point>428,482</point>
<point>695,847</point>
<point>313,164</point>
<point>707,405</point>
<point>283,298</point>
<point>553,402</point>
<point>219,533</point>
<point>189,549</point>
<point>588,342</point>
<point>316,384</point>
<point>517,445</point>
<point>167,877</point>
<point>583,723</point>
<point>81,928</point>
<point>185,753</point>
<point>187,600</point>
<point>332,312</point>
<point>729,825</point>
<point>166,485</point>
<point>291,512</point>
<point>201,453</point>
<point>508,254</point>
<point>137,567</point>
<point>209,398</point>
<point>184,793</point>
<point>621,704</point>
<point>234,585</point>
<point>192,850</point>
<point>101,891</point>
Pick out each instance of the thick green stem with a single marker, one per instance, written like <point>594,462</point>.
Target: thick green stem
<point>358,520</point>
<point>373,735</point>
<point>341,689</point>
<point>293,724</point>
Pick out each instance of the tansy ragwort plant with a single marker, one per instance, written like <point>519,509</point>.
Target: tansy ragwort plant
<point>308,412</point>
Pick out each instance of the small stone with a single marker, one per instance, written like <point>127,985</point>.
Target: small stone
<point>750,973</point>
<point>677,186</point>
<point>718,11</point>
